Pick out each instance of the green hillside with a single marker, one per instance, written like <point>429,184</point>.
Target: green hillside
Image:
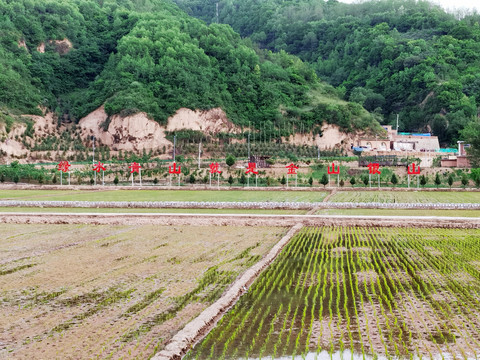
<point>392,56</point>
<point>148,55</point>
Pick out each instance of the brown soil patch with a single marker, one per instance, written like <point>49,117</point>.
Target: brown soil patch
<point>109,289</point>
<point>368,276</point>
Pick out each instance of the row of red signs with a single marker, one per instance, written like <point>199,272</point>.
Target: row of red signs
<point>373,168</point>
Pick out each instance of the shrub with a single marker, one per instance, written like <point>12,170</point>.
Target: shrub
<point>230,160</point>
<point>353,181</point>
<point>365,180</point>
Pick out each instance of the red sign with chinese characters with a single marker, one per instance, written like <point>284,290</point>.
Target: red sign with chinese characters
<point>173,169</point>
<point>252,168</point>
<point>412,171</point>
<point>215,168</point>
<point>99,167</point>
<point>332,170</point>
<point>292,169</point>
<point>134,168</point>
<point>63,166</point>
<point>373,168</point>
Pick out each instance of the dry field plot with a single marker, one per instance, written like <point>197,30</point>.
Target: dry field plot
<point>83,291</point>
<point>360,293</point>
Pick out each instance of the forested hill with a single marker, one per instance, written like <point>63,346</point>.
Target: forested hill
<point>72,56</point>
<point>393,56</point>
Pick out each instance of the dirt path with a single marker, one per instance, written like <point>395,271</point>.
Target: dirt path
<point>327,198</point>
<point>238,220</point>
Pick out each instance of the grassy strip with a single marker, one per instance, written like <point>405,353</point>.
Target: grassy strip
<point>163,195</point>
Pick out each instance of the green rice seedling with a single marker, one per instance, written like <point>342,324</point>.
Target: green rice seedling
<point>427,262</point>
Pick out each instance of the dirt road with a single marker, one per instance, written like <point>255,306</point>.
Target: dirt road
<point>237,219</point>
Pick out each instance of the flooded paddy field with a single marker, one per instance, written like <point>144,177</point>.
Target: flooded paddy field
<point>359,293</point>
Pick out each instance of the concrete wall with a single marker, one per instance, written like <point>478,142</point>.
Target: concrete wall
<point>421,142</point>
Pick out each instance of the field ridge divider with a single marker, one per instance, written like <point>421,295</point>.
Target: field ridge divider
<point>201,325</point>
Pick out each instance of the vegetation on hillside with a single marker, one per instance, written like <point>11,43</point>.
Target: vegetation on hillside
<point>148,55</point>
<point>392,56</point>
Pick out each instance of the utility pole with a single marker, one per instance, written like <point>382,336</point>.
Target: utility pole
<point>248,146</point>
<point>397,124</point>
<point>93,147</point>
<point>216,8</point>
<point>174,144</point>
<point>199,154</point>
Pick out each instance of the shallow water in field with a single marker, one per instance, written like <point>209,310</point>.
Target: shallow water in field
<point>359,294</point>
<point>345,355</point>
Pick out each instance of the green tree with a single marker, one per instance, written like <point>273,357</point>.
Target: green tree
<point>471,134</point>
<point>230,160</point>
<point>450,180</point>
<point>54,179</point>
<point>115,181</point>
<point>423,180</point>
<point>310,181</point>
<point>283,181</point>
<point>191,179</point>
<point>2,177</point>
<point>324,180</point>
<point>474,174</point>
<point>394,179</point>
<point>243,179</point>
<point>342,183</point>
<point>353,181</point>
<point>437,180</point>
<point>230,180</point>
<point>464,180</point>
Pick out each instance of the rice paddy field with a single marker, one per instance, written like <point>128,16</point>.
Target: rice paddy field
<point>359,293</point>
<point>407,196</point>
<point>397,212</point>
<point>162,195</point>
<point>152,210</point>
<point>100,292</point>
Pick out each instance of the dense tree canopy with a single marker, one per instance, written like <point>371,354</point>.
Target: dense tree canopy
<point>391,56</point>
<point>148,55</point>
